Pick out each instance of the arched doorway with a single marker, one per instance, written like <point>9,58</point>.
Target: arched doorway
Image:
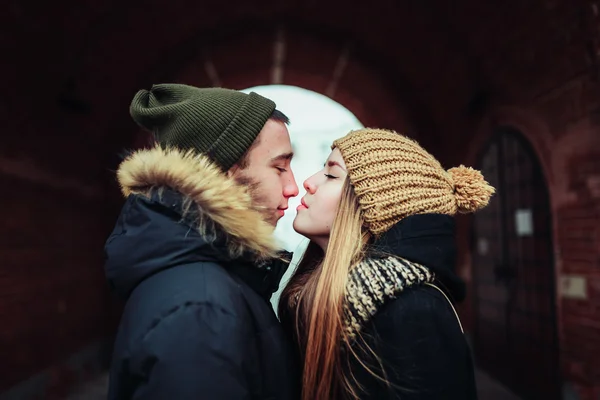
<point>515,333</point>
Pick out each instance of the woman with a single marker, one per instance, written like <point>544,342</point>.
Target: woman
<point>369,302</point>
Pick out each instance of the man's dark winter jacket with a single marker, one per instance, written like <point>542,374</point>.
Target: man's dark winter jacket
<point>195,263</point>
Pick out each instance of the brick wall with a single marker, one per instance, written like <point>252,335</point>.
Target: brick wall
<point>55,302</point>
<point>544,82</point>
<point>567,142</point>
<point>578,251</point>
<point>416,72</point>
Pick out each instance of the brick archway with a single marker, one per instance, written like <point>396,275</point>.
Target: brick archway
<point>538,134</point>
<point>434,69</point>
<point>322,61</point>
<point>514,269</point>
<point>532,126</point>
<point>324,65</point>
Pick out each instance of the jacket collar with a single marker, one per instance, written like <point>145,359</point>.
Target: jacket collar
<point>429,240</point>
<point>264,280</point>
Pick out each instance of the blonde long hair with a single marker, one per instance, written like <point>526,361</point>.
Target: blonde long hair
<point>314,301</point>
<point>375,201</point>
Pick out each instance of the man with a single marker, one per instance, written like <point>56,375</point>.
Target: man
<point>193,250</point>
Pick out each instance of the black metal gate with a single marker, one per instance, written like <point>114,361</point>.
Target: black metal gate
<point>515,334</point>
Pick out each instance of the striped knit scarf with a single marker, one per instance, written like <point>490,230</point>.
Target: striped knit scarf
<point>373,283</point>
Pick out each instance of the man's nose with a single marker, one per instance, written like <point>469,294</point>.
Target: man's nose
<point>291,188</point>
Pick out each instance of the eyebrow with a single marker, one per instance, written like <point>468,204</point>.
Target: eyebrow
<point>282,157</point>
<point>335,163</point>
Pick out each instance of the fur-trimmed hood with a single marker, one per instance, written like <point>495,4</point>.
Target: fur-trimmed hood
<point>220,202</point>
<point>182,208</point>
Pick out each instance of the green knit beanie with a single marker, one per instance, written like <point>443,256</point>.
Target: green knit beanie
<point>221,123</point>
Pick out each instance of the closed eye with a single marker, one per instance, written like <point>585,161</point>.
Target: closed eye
<point>330,176</point>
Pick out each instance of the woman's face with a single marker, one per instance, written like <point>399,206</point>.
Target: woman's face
<point>319,205</point>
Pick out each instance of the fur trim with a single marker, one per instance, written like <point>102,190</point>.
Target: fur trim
<point>221,202</point>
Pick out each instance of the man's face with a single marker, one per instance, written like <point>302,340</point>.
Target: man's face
<point>268,172</point>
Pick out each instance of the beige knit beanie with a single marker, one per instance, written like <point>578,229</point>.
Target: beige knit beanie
<point>394,177</point>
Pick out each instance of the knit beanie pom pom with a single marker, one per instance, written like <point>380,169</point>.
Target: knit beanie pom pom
<point>471,190</point>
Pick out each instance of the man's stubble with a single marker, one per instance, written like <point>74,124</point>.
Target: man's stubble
<point>260,200</point>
